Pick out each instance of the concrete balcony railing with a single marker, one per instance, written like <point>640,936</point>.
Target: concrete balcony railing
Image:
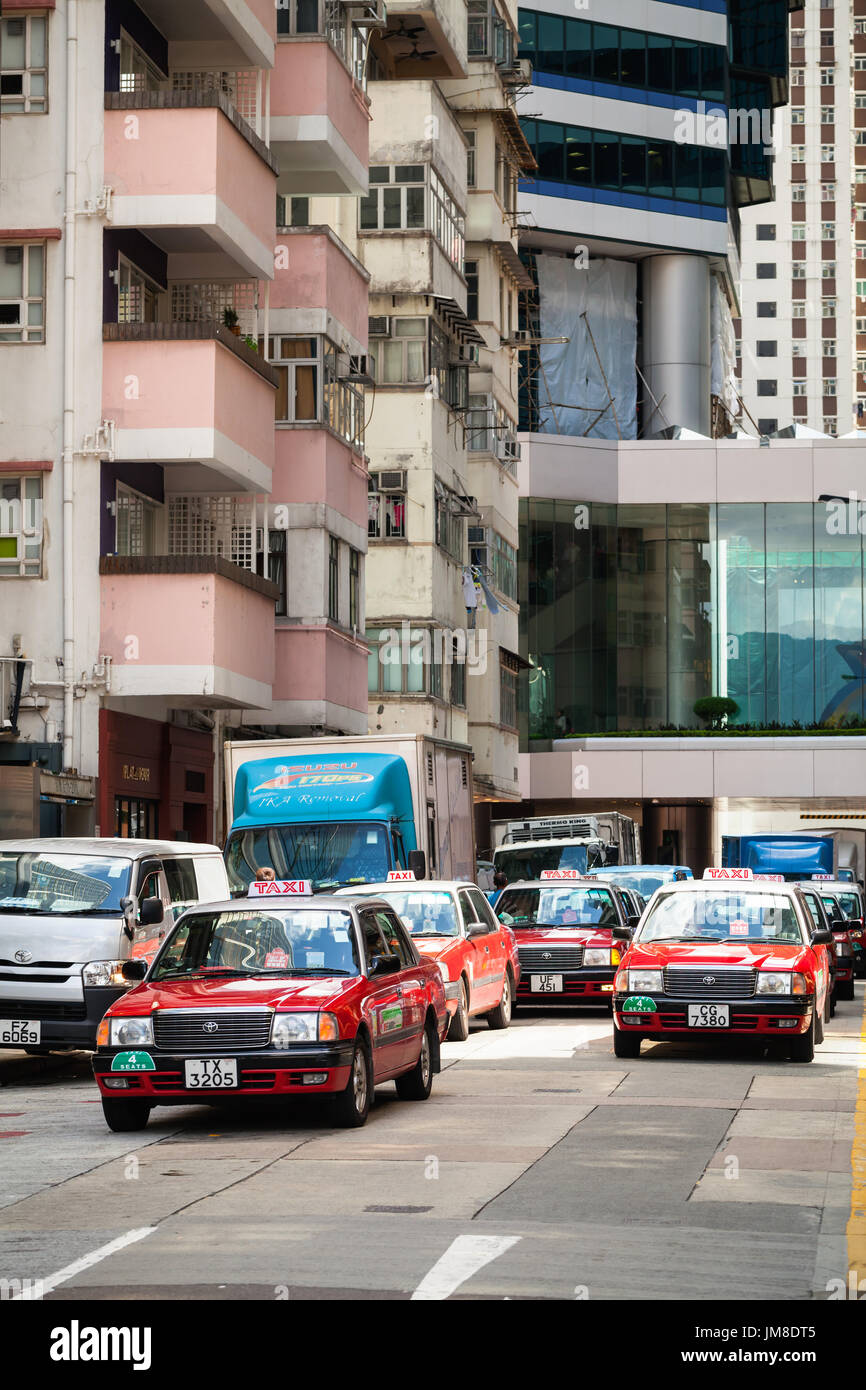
<point>185,162</point>
<point>319,127</point>
<point>193,394</point>
<point>320,678</point>
<point>203,630</point>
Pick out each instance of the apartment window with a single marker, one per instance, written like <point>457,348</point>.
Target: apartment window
<point>798,38</point>
<point>860,26</point>
<point>861,363</point>
<point>276,570</point>
<point>22,293</point>
<point>798,154</point>
<point>297,361</point>
<point>798,232</point>
<point>830,424</point>
<point>766,347</point>
<point>21,526</point>
<point>826,38</point>
<point>828,308</point>
<point>798,193</point>
<point>798,350</point>
<point>796,78</point>
<point>828,152</point>
<point>828,192</point>
<point>861,289</point>
<point>508,669</point>
<point>798,270</point>
<point>827,77</point>
<point>798,388</point>
<point>829,386</point>
<point>292,212</point>
<point>828,115</point>
<point>458,675</point>
<point>861,325</point>
<point>766,231</point>
<point>828,270</point>
<point>446,223</point>
<point>471,136</point>
<point>766,309</point>
<point>449,520</point>
<point>767,387</point>
<point>767,426</point>
<point>395,201</point>
<point>386,506</point>
<point>829,348</point>
<point>137,296</point>
<point>333,578</point>
<point>421,672</point>
<point>504,565</point>
<point>470,271</point>
<point>354,588</point>
<point>860,102</point>
<point>798,310</point>
<point>505,181</point>
<point>766,270</point>
<point>401,360</point>
<point>798,115</point>
<point>828,231</point>
<point>860,64</point>
<point>23,64</point>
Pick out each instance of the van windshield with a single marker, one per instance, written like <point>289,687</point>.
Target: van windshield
<point>43,882</point>
<point>330,856</point>
<point>527,861</point>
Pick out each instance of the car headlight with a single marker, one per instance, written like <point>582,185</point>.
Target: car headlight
<point>443,970</point>
<point>781,982</point>
<point>304,1028</point>
<point>843,949</point>
<point>103,972</point>
<point>594,955</point>
<point>131,1032</point>
<point>645,982</point>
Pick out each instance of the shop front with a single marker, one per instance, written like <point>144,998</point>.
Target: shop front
<point>155,779</point>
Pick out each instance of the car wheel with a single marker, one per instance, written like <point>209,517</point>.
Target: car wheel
<point>846,990</point>
<point>417,1083</point>
<point>500,1017</point>
<point>802,1049</point>
<point>625,1044</point>
<point>459,1030</point>
<point>125,1115</point>
<point>352,1106</point>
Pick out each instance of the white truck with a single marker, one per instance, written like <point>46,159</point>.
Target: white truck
<point>341,811</point>
<point>522,848</point>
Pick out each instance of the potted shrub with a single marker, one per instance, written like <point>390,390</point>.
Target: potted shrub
<point>715,710</point>
<point>230,319</point>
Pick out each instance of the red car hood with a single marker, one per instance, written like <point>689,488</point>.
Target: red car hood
<point>316,993</point>
<point>768,955</point>
<point>435,946</point>
<point>563,936</point>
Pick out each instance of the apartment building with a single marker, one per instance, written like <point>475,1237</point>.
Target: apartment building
<point>804,252</point>
<point>184,486</point>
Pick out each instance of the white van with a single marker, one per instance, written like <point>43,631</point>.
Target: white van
<point>72,911</point>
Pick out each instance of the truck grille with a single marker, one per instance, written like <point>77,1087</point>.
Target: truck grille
<point>714,983</point>
<point>181,1031</point>
<point>550,959</point>
<point>46,1009</point>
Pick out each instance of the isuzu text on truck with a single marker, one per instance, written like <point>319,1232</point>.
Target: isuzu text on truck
<point>339,811</point>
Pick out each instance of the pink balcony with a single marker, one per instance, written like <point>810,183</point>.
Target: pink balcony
<point>242,31</point>
<point>312,466</point>
<point>191,394</point>
<point>319,121</point>
<point>190,173</point>
<point>321,275</point>
<point>193,630</point>
<point>320,678</point>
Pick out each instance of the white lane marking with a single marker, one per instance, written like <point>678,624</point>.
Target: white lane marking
<point>87,1261</point>
<point>463,1258</point>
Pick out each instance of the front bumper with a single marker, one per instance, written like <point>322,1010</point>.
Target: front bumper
<point>66,1024</point>
<point>264,1073</point>
<point>763,1015</point>
<point>587,986</point>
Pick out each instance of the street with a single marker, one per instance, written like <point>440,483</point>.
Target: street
<point>540,1168</point>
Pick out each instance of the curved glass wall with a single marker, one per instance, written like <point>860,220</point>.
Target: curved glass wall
<point>630,614</point>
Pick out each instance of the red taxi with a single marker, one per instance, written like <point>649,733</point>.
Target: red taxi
<point>453,924</point>
<point>277,994</point>
<point>724,959</point>
<point>841,903</point>
<point>564,928</point>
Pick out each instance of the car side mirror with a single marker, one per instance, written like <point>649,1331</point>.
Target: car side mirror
<point>418,863</point>
<point>822,937</point>
<point>477,929</point>
<point>621,933</point>
<point>134,969</point>
<point>632,920</point>
<point>384,965</point>
<point>150,912</point>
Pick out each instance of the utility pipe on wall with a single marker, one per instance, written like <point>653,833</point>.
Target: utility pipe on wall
<point>69,760</point>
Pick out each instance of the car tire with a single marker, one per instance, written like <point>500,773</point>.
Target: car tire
<point>459,1030</point>
<point>352,1106</point>
<point>625,1044</point>
<point>845,990</point>
<point>500,1017</point>
<point>418,1083</point>
<point>802,1048</point>
<point>125,1115</point>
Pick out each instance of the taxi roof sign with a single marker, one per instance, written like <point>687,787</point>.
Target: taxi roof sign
<point>771,878</point>
<point>401,876</point>
<point>728,873</point>
<point>567,874</point>
<point>280,887</point>
<point>823,876</point>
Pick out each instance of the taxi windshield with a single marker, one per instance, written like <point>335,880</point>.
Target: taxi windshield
<point>425,914</point>
<point>849,903</point>
<point>565,906</point>
<point>46,882</point>
<point>715,916</point>
<point>294,941</point>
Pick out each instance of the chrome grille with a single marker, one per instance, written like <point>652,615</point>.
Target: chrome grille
<point>235,1031</point>
<point>716,983</point>
<point>550,958</point>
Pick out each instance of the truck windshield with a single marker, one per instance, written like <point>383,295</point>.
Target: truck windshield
<point>44,882</point>
<point>527,861</point>
<point>330,856</point>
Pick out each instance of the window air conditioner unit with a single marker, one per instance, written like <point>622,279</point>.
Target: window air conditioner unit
<point>379,327</point>
<point>512,450</point>
<point>360,368</point>
<point>476,535</point>
<point>393,481</point>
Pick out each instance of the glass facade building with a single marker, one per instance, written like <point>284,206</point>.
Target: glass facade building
<point>631,613</point>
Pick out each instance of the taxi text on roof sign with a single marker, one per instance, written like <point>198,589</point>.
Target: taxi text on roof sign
<point>561,873</point>
<point>277,887</point>
<point>770,878</point>
<point>401,876</point>
<point>823,876</point>
<point>728,873</point>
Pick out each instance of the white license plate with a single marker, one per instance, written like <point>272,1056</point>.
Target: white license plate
<point>545,984</point>
<point>16,1030</point>
<point>211,1073</point>
<point>709,1016</point>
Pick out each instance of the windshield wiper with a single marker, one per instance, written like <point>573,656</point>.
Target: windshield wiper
<point>433,933</point>
<point>303,970</point>
<point>199,974</point>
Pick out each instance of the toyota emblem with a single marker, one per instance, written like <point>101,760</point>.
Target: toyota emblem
<point>545,955</point>
<point>23,956</point>
<point>709,979</point>
<point>210,1026</point>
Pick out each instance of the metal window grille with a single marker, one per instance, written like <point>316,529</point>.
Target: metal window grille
<point>212,525</point>
<point>204,301</point>
<point>241,86</point>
